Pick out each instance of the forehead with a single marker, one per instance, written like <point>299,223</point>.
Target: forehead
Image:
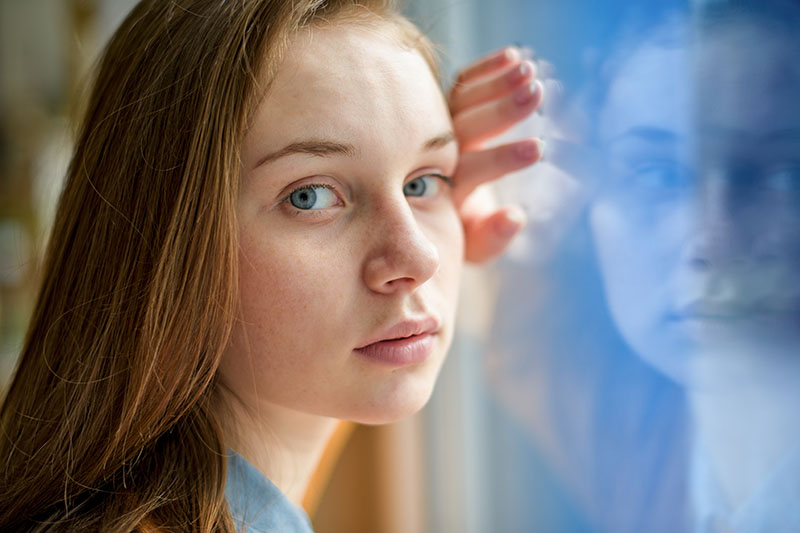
<point>346,82</point>
<point>748,77</point>
<point>739,78</point>
<point>651,87</point>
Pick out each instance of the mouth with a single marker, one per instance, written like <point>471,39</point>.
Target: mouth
<point>405,343</point>
<point>708,316</point>
<point>722,313</point>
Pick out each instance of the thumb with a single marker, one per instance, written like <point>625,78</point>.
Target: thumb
<point>489,236</point>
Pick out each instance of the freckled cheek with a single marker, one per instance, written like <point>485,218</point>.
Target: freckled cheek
<point>291,295</point>
<point>630,263</point>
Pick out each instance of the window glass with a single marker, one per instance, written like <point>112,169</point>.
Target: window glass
<point>632,364</point>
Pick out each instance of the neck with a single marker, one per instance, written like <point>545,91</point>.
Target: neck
<point>283,444</point>
<point>746,432</point>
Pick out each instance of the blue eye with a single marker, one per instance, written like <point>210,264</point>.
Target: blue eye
<point>662,175</point>
<point>313,197</point>
<point>427,185</point>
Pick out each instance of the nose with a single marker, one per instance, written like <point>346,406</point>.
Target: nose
<point>719,235</point>
<point>401,256</point>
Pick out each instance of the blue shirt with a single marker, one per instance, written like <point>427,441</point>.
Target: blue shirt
<point>774,507</point>
<point>257,505</point>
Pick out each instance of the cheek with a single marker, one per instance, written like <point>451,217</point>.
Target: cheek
<point>284,285</point>
<point>634,265</point>
<point>639,241</point>
<point>617,243</point>
<point>292,294</point>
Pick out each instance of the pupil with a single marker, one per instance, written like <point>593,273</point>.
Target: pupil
<point>304,198</point>
<point>415,187</point>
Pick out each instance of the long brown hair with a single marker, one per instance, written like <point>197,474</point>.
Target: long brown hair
<point>107,424</point>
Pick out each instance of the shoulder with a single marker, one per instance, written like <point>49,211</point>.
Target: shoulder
<point>256,504</point>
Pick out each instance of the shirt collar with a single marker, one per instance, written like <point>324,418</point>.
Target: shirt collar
<point>257,504</point>
<point>773,506</point>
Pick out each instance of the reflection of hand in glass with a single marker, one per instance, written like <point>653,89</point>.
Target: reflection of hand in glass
<point>556,191</point>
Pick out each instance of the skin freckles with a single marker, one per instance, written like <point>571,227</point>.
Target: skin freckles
<point>316,284</point>
<point>354,218</point>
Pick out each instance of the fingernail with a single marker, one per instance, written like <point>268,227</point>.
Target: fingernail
<point>522,71</point>
<point>524,95</point>
<point>507,228</point>
<point>518,216</point>
<point>510,53</point>
<point>512,223</point>
<point>542,147</point>
<point>528,150</point>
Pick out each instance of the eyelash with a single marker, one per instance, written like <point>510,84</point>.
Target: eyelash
<point>446,179</point>
<point>287,204</point>
<point>286,200</point>
<point>308,186</point>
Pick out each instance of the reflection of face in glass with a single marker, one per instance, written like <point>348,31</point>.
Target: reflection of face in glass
<point>698,229</point>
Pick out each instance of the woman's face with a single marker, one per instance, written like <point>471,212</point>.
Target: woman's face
<point>698,230</point>
<point>348,233</point>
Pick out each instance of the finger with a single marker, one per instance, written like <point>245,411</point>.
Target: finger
<point>487,237</point>
<point>490,64</point>
<point>476,168</point>
<point>491,88</point>
<point>478,124</point>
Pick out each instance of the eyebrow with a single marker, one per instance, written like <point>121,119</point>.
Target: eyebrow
<point>316,147</point>
<point>326,148</point>
<point>647,134</point>
<point>440,141</point>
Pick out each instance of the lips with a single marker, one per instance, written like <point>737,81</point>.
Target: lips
<point>405,329</point>
<point>721,311</point>
<point>709,311</point>
<point>406,342</point>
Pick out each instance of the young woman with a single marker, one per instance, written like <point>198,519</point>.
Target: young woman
<point>261,232</point>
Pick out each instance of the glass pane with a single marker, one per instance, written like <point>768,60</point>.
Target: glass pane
<point>642,364</point>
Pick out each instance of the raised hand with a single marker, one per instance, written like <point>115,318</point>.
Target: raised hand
<point>488,98</point>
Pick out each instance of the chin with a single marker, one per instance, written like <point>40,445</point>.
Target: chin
<point>696,367</point>
<point>397,404</point>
